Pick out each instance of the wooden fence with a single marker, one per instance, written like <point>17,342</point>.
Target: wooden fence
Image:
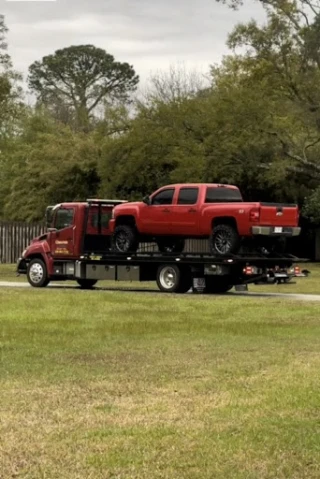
<point>15,236</point>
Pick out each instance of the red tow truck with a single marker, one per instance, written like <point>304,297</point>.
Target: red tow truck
<point>77,246</point>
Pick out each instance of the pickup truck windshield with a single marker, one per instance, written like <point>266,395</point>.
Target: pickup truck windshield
<point>222,195</point>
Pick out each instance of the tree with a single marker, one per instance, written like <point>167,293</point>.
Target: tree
<point>49,163</point>
<point>12,111</point>
<point>81,77</point>
<point>10,92</point>
<point>174,85</point>
<point>282,59</point>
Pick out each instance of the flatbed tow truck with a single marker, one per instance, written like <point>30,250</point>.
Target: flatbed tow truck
<point>79,249</point>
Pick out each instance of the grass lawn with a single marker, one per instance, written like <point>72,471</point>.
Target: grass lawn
<point>107,384</point>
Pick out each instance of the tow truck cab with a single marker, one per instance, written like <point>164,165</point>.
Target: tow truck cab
<point>73,229</point>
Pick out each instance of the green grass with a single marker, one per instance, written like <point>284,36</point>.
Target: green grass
<point>107,384</point>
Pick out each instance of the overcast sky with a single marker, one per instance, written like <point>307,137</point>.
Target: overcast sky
<point>149,34</point>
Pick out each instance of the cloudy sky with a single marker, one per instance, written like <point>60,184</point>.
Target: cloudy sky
<point>149,34</point>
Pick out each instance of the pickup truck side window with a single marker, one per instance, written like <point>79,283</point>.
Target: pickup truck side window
<point>164,197</point>
<point>188,196</point>
<point>64,218</point>
<point>222,195</point>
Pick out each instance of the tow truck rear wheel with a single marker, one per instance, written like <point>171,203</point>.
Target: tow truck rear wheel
<point>217,285</point>
<point>173,279</point>
<point>37,273</point>
<point>86,283</point>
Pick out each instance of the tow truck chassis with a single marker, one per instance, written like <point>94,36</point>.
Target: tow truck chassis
<point>178,272</point>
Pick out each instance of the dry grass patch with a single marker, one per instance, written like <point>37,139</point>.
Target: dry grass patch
<point>121,385</point>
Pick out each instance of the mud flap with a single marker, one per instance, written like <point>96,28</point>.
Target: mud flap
<point>198,285</point>
<point>241,287</point>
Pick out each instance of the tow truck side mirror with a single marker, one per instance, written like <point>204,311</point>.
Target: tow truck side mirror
<point>147,200</point>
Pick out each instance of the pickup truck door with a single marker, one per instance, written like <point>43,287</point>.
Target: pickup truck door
<point>62,239</point>
<point>185,212</point>
<point>156,217</point>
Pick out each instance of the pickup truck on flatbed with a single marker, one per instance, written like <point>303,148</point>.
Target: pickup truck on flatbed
<point>176,212</point>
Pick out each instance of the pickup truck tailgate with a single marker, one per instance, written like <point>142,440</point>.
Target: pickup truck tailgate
<point>278,214</point>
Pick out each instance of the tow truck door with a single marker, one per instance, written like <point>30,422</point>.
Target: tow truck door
<point>62,235</point>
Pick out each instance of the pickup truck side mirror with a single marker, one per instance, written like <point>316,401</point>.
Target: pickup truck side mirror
<point>147,200</point>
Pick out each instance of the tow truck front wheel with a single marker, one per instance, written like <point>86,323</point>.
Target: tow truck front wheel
<point>37,273</point>
<point>172,279</point>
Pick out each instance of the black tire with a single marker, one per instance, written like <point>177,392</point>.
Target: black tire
<point>86,283</point>
<point>37,273</point>
<point>217,285</point>
<point>124,239</point>
<point>224,240</point>
<point>171,279</point>
<point>170,246</point>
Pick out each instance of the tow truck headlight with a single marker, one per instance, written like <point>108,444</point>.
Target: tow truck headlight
<point>24,253</point>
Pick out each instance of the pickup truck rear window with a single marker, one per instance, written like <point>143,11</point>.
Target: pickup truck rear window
<point>188,196</point>
<point>222,195</point>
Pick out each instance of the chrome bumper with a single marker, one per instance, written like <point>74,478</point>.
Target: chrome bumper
<point>276,230</point>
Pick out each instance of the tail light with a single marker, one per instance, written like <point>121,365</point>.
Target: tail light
<point>250,270</point>
<point>254,215</point>
<point>296,270</point>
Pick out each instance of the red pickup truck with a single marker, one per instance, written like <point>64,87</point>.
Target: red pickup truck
<point>176,212</point>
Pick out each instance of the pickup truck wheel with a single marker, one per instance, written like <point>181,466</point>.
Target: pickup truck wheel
<point>224,239</point>
<point>86,283</point>
<point>170,279</point>
<point>217,285</point>
<point>37,273</point>
<point>124,239</point>
<point>170,246</point>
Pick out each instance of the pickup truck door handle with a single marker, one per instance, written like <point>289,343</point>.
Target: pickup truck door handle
<point>192,210</point>
<point>166,210</point>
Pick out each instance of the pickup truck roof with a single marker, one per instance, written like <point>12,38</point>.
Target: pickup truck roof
<point>199,185</point>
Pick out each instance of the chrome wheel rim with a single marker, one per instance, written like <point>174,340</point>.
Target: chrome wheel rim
<point>222,242</point>
<point>36,273</point>
<point>168,277</point>
<point>122,242</point>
